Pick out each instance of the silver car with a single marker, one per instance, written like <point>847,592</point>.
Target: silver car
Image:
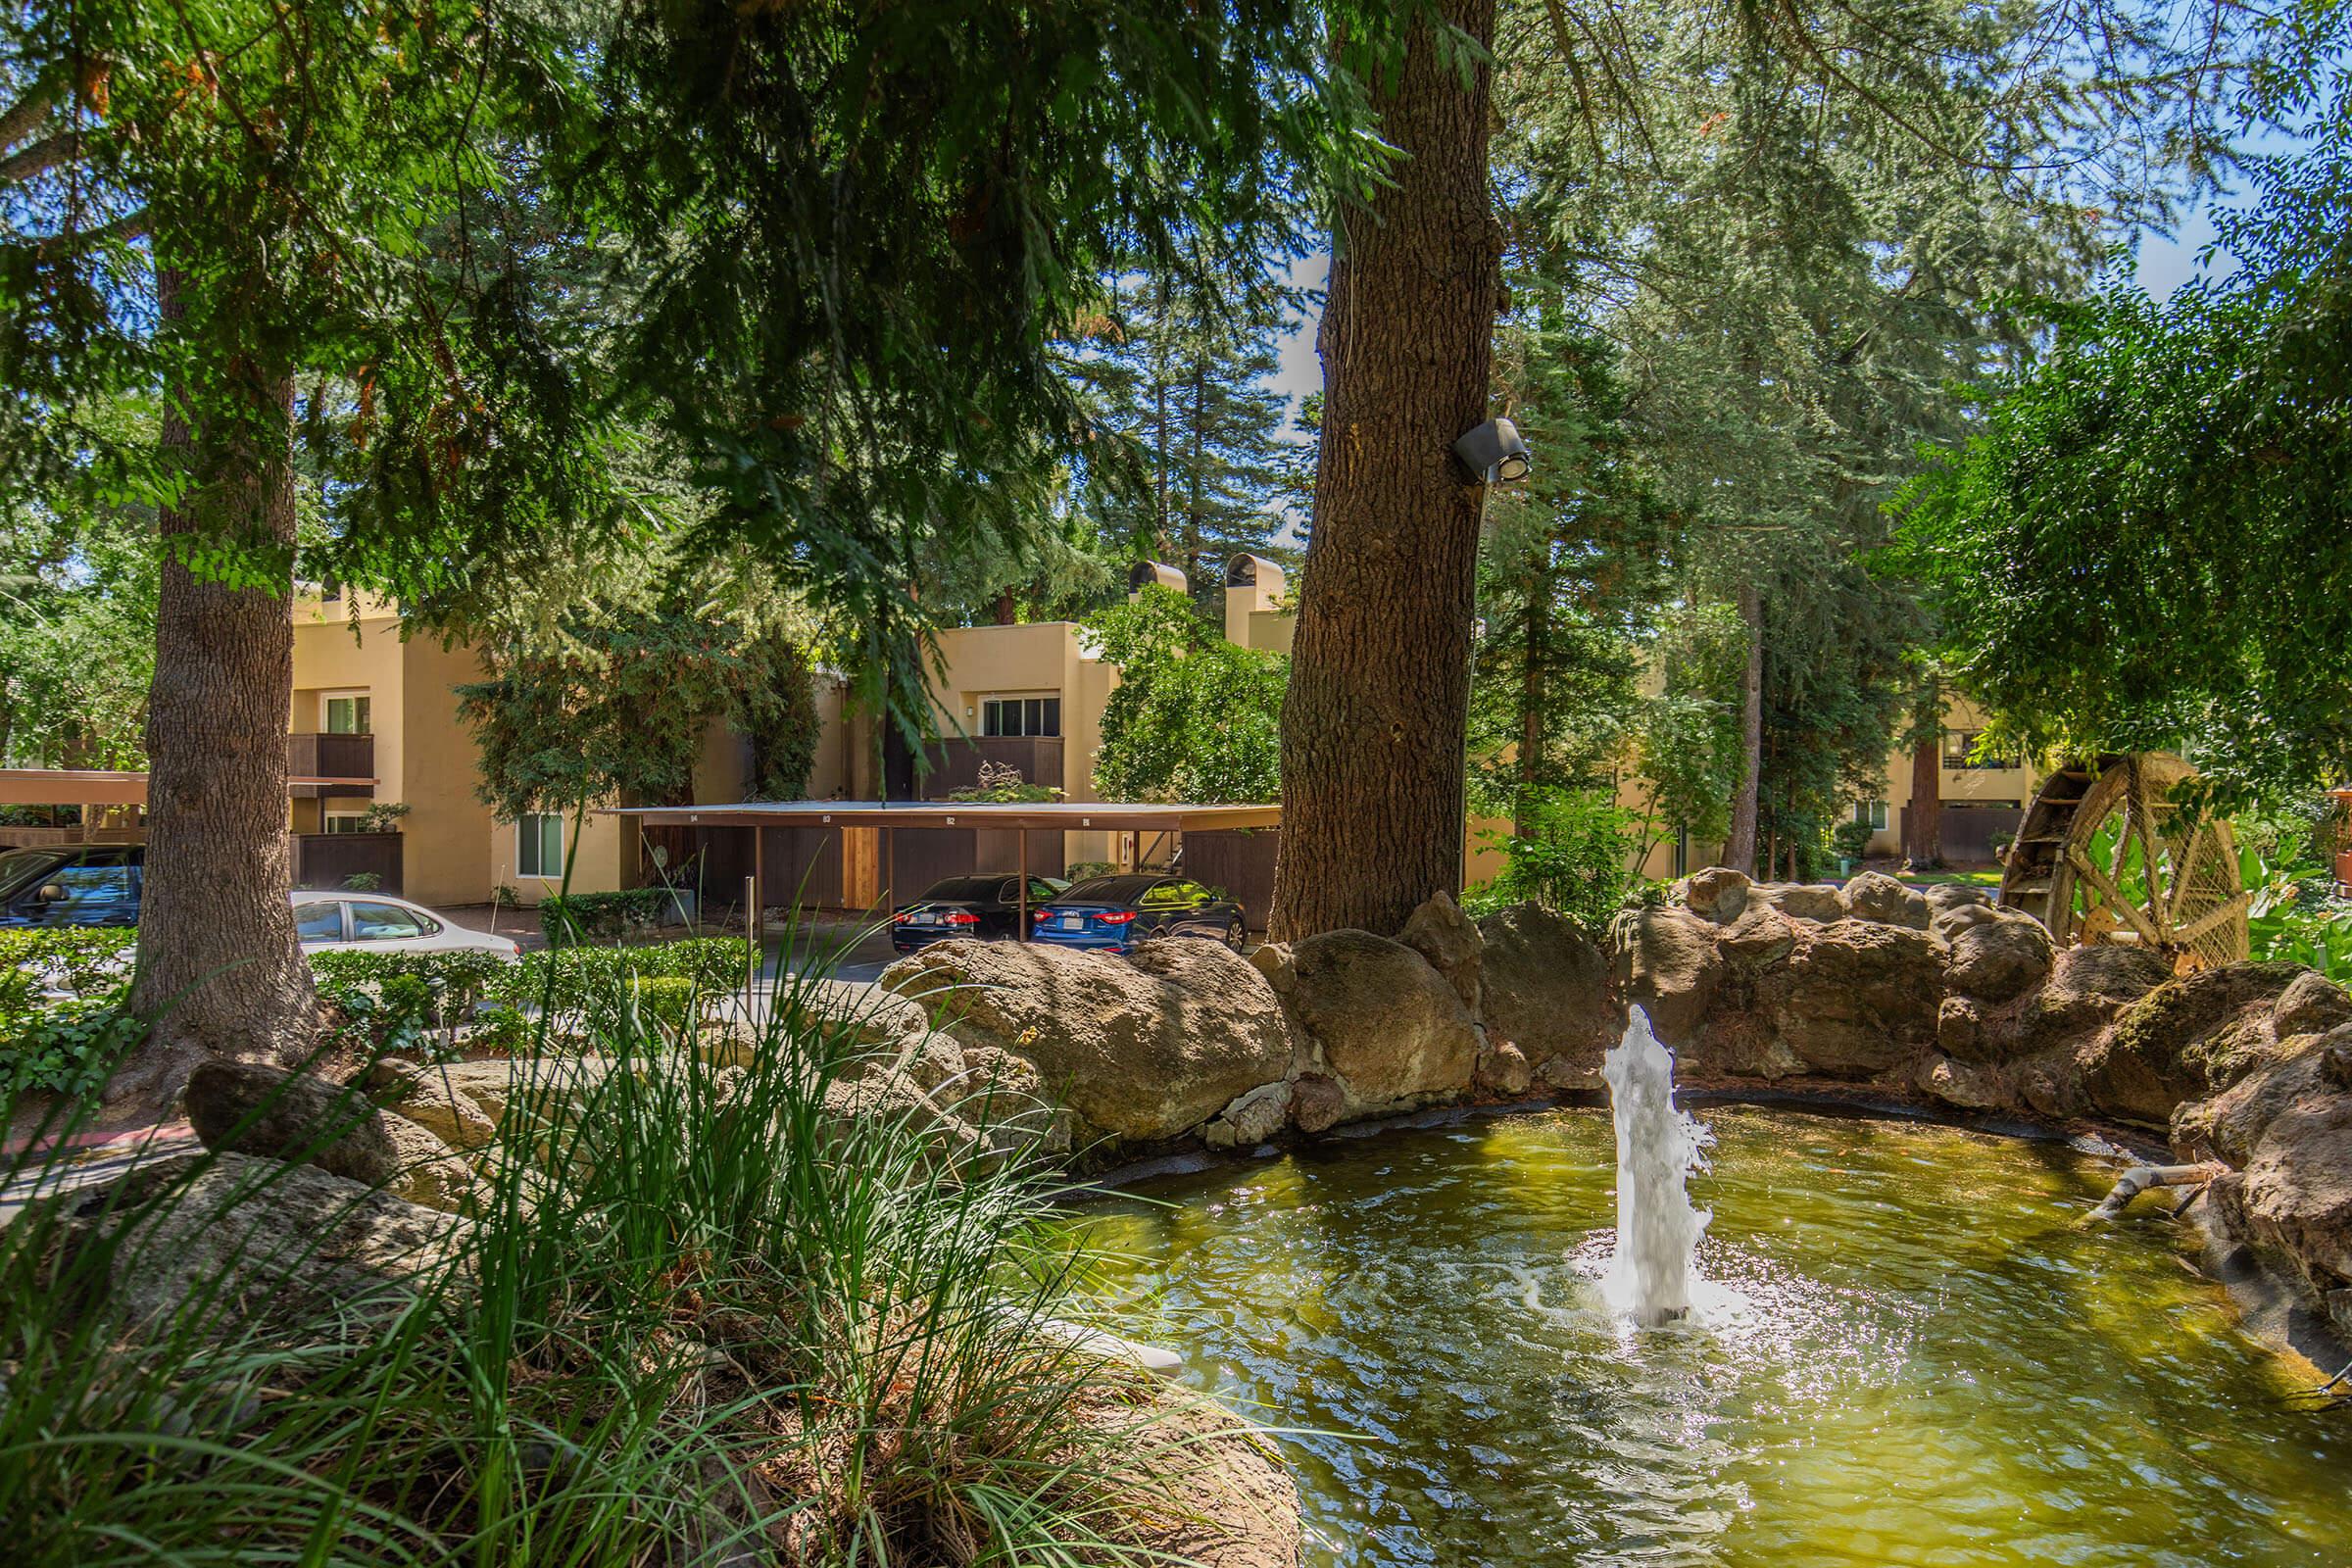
<point>377,922</point>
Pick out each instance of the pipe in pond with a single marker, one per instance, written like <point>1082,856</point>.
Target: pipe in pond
<point>2141,1178</point>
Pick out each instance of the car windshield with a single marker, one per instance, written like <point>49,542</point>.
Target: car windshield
<point>967,887</point>
<point>24,865</point>
<point>1109,890</point>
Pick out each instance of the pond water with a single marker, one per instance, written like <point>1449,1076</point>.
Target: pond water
<point>1908,1352</point>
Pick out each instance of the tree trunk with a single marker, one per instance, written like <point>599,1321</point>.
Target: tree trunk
<point>1739,845</point>
<point>1923,823</point>
<point>219,969</point>
<point>1375,723</point>
<point>1009,610</point>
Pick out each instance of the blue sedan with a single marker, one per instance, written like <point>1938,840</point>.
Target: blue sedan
<point>1116,912</point>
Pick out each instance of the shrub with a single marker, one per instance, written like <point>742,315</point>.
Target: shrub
<point>590,981</point>
<point>1080,871</point>
<point>736,1320</point>
<point>1573,860</point>
<point>62,1027</point>
<point>572,917</point>
<point>668,999</point>
<point>1850,839</point>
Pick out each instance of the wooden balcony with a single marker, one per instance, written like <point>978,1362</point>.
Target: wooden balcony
<point>955,762</point>
<point>330,757</point>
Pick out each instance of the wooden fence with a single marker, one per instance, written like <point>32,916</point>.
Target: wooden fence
<point>1239,863</point>
<point>329,861</point>
<point>1967,832</point>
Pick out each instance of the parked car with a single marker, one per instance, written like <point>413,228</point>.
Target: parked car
<point>986,907</point>
<point>76,884</point>
<point>1115,912</point>
<point>100,884</point>
<point>376,922</point>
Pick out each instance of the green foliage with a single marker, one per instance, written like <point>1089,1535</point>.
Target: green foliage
<point>572,917</point>
<point>383,816</point>
<point>1850,839</point>
<point>363,881</point>
<point>62,1025</point>
<point>1573,860</point>
<point>2143,544</point>
<point>524,1386</point>
<point>592,982</point>
<point>668,1001</point>
<point>1194,717</point>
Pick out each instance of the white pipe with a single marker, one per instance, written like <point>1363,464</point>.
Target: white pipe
<point>2141,1178</point>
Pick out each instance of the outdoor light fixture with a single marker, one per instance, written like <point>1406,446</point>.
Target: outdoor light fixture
<point>1494,453</point>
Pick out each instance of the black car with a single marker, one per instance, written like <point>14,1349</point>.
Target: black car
<point>1115,912</point>
<point>984,906</point>
<point>81,884</point>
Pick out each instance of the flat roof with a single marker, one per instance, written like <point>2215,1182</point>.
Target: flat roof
<point>83,786</point>
<point>1068,816</point>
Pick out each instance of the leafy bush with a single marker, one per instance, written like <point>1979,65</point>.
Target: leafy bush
<point>1574,860</point>
<point>454,982</point>
<point>1850,839</point>
<point>62,1027</point>
<point>1080,871</point>
<point>578,916</point>
<point>737,1319</point>
<point>666,1000</point>
<point>591,981</point>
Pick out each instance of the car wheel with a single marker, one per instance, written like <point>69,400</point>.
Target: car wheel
<point>1236,937</point>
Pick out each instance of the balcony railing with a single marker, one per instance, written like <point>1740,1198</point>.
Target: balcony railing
<point>330,757</point>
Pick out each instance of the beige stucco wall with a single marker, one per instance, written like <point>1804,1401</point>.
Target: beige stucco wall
<point>439,777</point>
<point>1981,784</point>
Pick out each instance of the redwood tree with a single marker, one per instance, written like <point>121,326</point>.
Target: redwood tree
<point>1372,732</point>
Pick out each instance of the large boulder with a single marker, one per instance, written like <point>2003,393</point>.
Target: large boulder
<point>2310,1004</point>
<point>1141,1048</point>
<point>2188,1038</point>
<point>248,1108</point>
<point>1718,894</point>
<point>245,1241</point>
<point>1999,958</point>
<point>1667,966</point>
<point>1759,940</point>
<point>1387,1024</point>
<point>1441,933</point>
<point>2293,1202</point>
<point>1875,896</point>
<point>1546,986</point>
<point>2231,1123</point>
<point>1820,901</point>
<point>1858,996</point>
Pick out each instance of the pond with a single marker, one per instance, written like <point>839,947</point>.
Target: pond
<point>1908,1352</point>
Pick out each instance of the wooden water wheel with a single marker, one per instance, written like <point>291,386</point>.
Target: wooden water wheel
<point>2105,853</point>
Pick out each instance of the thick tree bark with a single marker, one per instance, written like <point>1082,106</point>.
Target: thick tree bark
<point>1923,823</point>
<point>1739,845</point>
<point>218,969</point>
<point>1375,723</point>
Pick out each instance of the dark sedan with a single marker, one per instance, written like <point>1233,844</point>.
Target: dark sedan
<point>983,907</point>
<point>1115,912</point>
<point>95,884</point>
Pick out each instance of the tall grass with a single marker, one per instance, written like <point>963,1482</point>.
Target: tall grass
<point>694,1318</point>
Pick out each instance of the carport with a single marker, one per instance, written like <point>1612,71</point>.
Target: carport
<point>851,850</point>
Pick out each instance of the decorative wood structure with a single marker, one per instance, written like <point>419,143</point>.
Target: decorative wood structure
<point>2111,851</point>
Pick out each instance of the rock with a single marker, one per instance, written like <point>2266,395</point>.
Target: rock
<point>248,1108</point>
<point>1960,1030</point>
<point>1216,1492</point>
<point>1968,1084</point>
<point>2293,1200</point>
<point>429,1174</point>
<point>1004,1097</point>
<point>1317,1104</point>
<point>890,1097</point>
<point>1667,963</point>
<point>1441,933</point>
<point>2000,958</point>
<point>1819,902</point>
<point>2188,1038</point>
<point>1251,1119</point>
<point>1389,1026</point>
<point>1948,923</point>
<point>2231,1124</point>
<point>1547,991</point>
<point>1759,939</point>
<point>445,1112</point>
<point>1859,997</point>
<point>1504,1068</point>
<point>1948,898</point>
<point>2088,987</point>
<point>255,1243</point>
<point>1875,896</point>
<point>1718,894</point>
<point>1141,1048</point>
<point>2310,1004</point>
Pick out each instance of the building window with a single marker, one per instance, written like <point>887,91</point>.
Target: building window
<point>1873,812</point>
<point>539,846</point>
<point>1959,747</point>
<point>343,821</point>
<point>346,713</point>
<point>1020,716</point>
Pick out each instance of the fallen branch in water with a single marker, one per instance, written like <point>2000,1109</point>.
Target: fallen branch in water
<point>2141,1178</point>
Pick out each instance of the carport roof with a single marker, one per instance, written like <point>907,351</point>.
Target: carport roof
<point>1054,815</point>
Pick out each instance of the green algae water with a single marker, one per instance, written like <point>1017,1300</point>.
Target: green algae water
<point>1908,1354</point>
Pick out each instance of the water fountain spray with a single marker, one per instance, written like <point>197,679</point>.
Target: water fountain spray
<point>1654,1269</point>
